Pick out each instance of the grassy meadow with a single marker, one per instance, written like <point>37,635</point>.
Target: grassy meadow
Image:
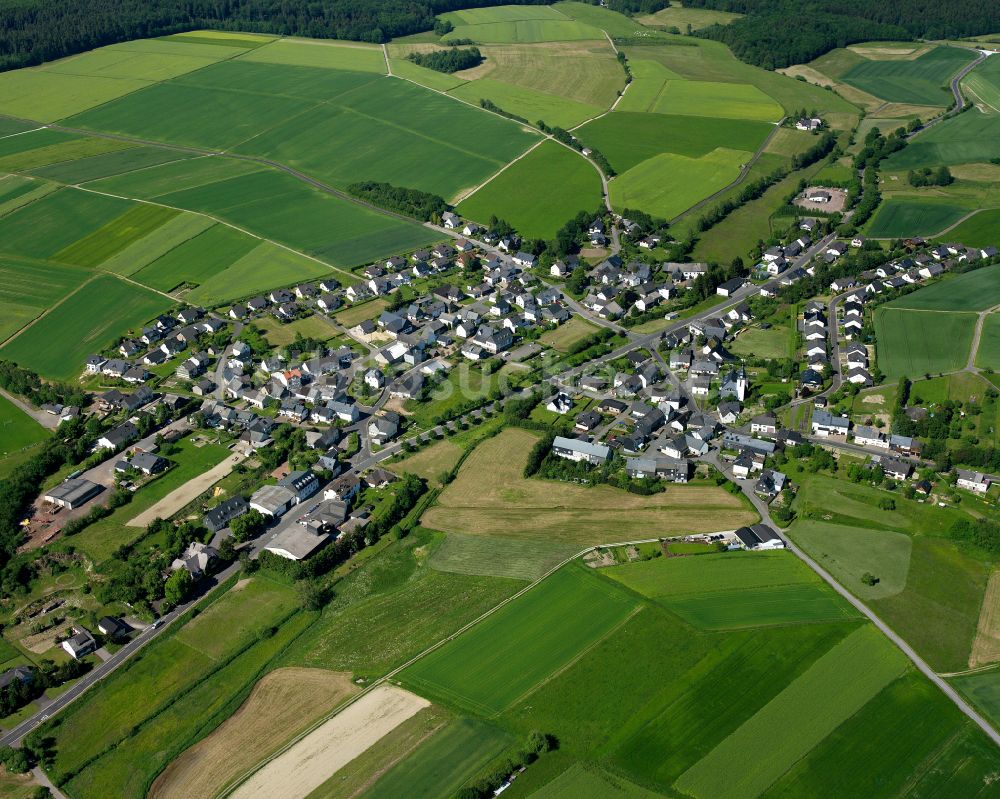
<point>972,291</point>
<point>904,216</point>
<point>912,342</point>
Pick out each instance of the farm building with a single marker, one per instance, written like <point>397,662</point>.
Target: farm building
<point>759,536</point>
<point>575,450</point>
<point>73,493</point>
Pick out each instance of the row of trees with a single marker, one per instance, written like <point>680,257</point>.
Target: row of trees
<point>410,202</point>
<point>778,33</point>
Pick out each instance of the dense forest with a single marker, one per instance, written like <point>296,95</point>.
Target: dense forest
<point>33,31</point>
<point>448,61</point>
<point>766,36</point>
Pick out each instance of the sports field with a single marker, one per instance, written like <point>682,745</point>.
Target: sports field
<point>903,217</point>
<point>58,343</point>
<point>667,184</point>
<point>922,342</point>
<point>971,291</point>
<point>539,193</point>
<point>922,80</point>
<point>491,497</point>
<point>507,655</point>
<point>629,138</point>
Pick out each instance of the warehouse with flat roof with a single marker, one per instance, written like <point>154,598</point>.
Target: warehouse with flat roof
<point>73,493</point>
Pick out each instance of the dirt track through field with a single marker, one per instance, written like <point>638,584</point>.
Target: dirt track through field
<point>986,647</point>
<point>281,705</point>
<point>180,497</point>
<point>308,763</point>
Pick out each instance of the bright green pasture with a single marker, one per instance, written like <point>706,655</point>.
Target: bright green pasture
<point>539,193</point>
<point>904,729</point>
<point>17,429</point>
<point>678,16</point>
<point>118,61</point>
<point>154,182</point>
<point>969,138</point>
<point>48,96</point>
<point>668,184</point>
<point>603,18</point>
<point>132,226</point>
<point>432,79</point>
<point>498,557</point>
<point>512,13</point>
<point>28,287</point>
<point>267,265</point>
<point>578,781</point>
<point>169,236</point>
<point>320,53</point>
<point>528,103</point>
<point>45,227</point>
<point>286,210</point>
<point>729,591</point>
<point>707,98</point>
<point>966,768</point>
<point>14,186</point>
<point>240,615</point>
<point>649,78</point>
<point>671,729</point>
<point>903,217</point>
<point>971,291</point>
<point>919,81</point>
<point>627,139</point>
<point>988,354</point>
<point>518,24</point>
<point>508,654</point>
<point>105,165</point>
<point>442,763</point>
<point>251,78</point>
<point>89,320</point>
<point>850,552</point>
<point>921,342</point>
<point>833,689</point>
<point>979,230</point>
<point>198,258</point>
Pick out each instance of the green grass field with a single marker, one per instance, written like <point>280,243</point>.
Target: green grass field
<point>17,430</point>
<point>104,165</point>
<point>539,193</point>
<point>568,333</point>
<point>27,288</point>
<point>984,691</point>
<point>579,781</point>
<point>463,747</point>
<point>33,153</point>
<point>517,24</point>
<point>772,343</point>
<point>172,235</point>
<point>530,104</point>
<point>57,344</point>
<point>921,81</point>
<point>921,342</point>
<point>352,56</point>
<point>628,138</point>
<point>972,137</point>
<point>835,687</point>
<point>971,291</point>
<point>110,239</point>
<point>197,259</point>
<point>506,656</point>
<point>758,607</point>
<point>612,22</point>
<point>667,184</point>
<point>714,99</point>
<point>849,552</point>
<point>48,96</point>
<point>988,354</point>
<point>498,557</point>
<point>900,218</point>
<point>980,230</point>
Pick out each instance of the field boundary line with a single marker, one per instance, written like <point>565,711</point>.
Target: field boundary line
<point>51,308</point>
<point>497,174</point>
<point>220,221</point>
<point>131,171</point>
<point>227,789</point>
<point>22,132</point>
<point>388,66</point>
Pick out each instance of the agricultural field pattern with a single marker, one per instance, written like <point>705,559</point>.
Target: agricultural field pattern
<point>546,401</point>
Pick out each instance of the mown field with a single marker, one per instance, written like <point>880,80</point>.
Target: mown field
<point>539,193</point>
<point>527,103</point>
<point>988,354</point>
<point>921,81</point>
<point>922,342</point>
<point>971,291</point>
<point>102,309</point>
<point>676,16</point>
<point>498,557</point>
<point>964,139</point>
<point>903,216</point>
<point>491,497</point>
<point>517,24</point>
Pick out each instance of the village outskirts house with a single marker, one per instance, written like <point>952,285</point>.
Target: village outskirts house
<point>576,450</point>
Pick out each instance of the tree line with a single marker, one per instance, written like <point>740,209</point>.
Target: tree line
<point>778,33</point>
<point>410,202</point>
<point>43,30</point>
